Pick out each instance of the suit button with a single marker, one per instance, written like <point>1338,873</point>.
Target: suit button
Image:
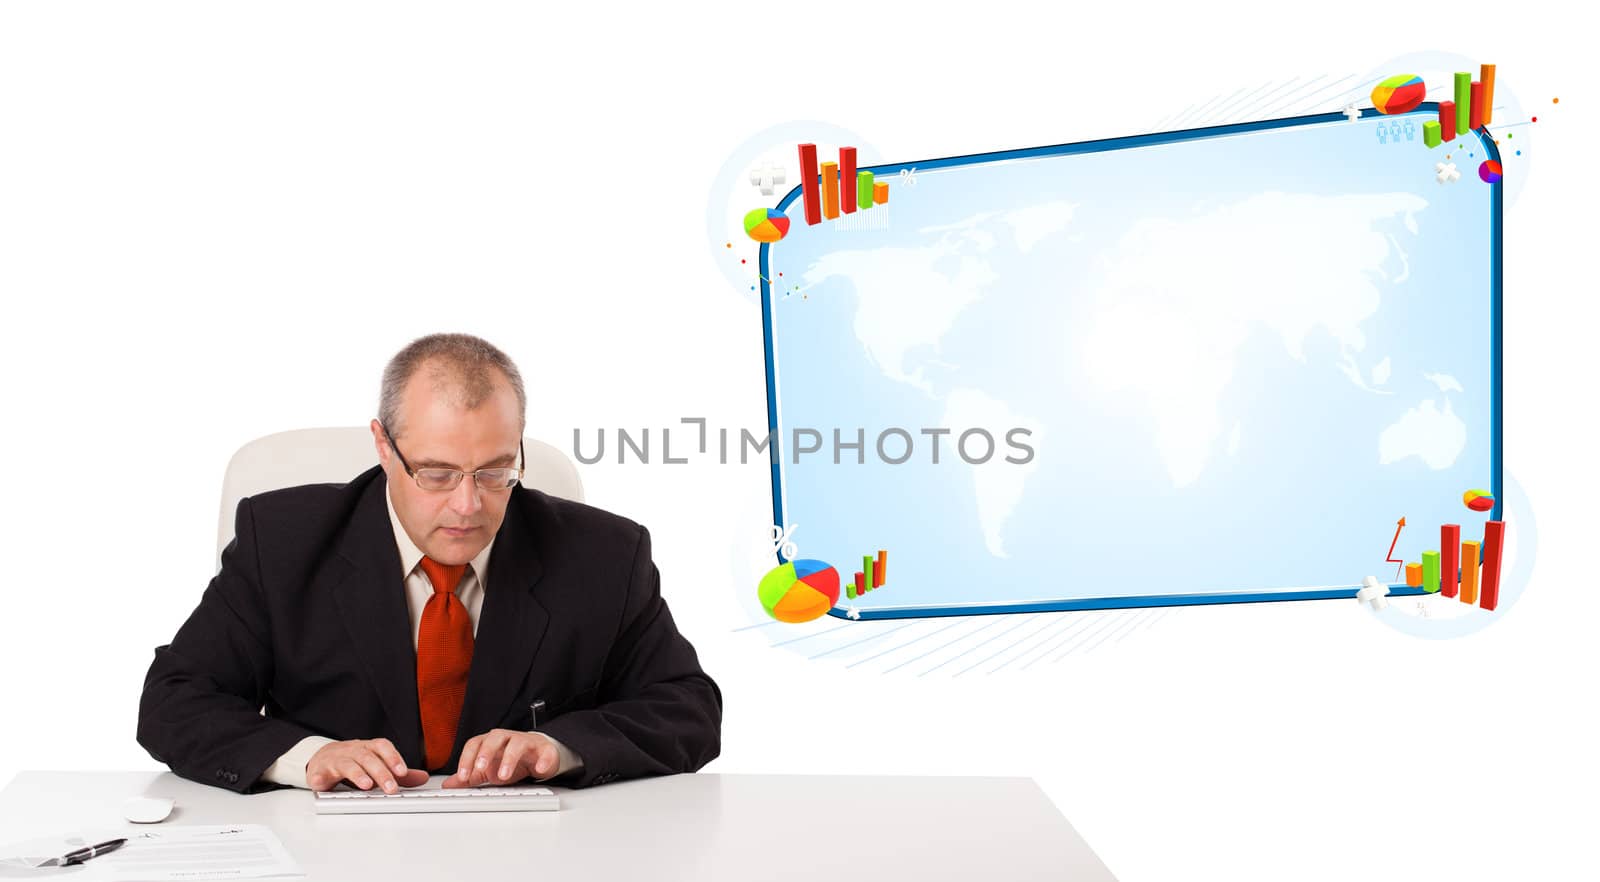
<point>220,774</point>
<point>233,777</point>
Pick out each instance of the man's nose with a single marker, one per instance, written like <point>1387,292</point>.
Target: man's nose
<point>464,500</point>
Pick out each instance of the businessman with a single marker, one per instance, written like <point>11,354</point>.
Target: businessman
<point>406,622</point>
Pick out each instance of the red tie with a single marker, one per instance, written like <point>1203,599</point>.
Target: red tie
<point>444,655</point>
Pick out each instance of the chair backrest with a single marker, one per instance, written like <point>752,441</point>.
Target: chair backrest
<point>334,456</point>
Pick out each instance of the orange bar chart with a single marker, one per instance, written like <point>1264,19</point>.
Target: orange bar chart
<point>1486,77</point>
<point>1414,575</point>
<point>1469,572</point>
<point>830,190</point>
<point>880,192</point>
<point>878,572</point>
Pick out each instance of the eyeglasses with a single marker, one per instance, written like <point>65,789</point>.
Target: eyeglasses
<point>449,479</point>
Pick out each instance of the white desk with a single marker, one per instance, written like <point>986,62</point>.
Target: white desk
<point>816,828</point>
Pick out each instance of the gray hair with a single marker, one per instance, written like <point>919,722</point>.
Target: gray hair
<point>460,364</point>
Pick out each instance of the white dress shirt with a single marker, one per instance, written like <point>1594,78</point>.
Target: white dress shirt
<point>290,768</point>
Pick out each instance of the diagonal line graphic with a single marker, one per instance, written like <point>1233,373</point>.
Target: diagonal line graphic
<point>907,643</point>
<point>993,620</point>
<point>1117,630</point>
<point>863,640</point>
<point>1078,622</point>
<point>1268,97</point>
<point>1154,614</point>
<point>976,645</point>
<point>1059,626</point>
<point>1004,649</point>
<point>1231,106</point>
<point>811,635</point>
<point>1163,121</point>
<point>1295,98</point>
<point>1206,108</point>
<point>1350,95</point>
<point>1085,636</point>
<point>1254,111</point>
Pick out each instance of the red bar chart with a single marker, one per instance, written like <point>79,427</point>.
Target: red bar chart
<point>847,179</point>
<point>809,178</point>
<point>871,576</point>
<point>831,189</point>
<point>1494,536</point>
<point>1450,559</point>
<point>1467,570</point>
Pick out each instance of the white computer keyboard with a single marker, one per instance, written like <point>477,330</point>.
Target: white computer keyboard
<point>478,799</point>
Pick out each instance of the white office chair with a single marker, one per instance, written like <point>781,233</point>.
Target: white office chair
<point>334,456</point>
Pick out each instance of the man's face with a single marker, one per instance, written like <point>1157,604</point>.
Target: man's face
<point>450,526</point>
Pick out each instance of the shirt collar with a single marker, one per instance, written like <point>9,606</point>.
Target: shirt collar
<point>411,555</point>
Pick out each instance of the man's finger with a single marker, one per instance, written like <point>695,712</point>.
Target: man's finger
<point>319,781</point>
<point>352,772</point>
<point>474,778</point>
<point>494,744</point>
<point>374,765</point>
<point>384,748</point>
<point>480,777</point>
<point>547,759</point>
<point>469,753</point>
<point>415,778</point>
<point>515,750</point>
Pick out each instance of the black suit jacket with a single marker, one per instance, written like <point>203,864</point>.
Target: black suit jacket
<point>307,619</point>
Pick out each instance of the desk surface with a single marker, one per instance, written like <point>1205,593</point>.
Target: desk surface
<point>817,828</point>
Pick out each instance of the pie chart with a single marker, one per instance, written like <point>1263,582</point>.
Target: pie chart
<point>766,225</point>
<point>1399,94</point>
<point>799,591</point>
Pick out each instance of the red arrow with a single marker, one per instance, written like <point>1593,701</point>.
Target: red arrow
<point>1390,558</point>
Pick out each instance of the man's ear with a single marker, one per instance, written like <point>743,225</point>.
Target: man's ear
<point>379,442</point>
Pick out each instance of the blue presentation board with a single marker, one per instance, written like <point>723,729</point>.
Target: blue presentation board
<point>1205,366</point>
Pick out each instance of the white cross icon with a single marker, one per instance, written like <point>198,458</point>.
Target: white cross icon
<point>768,177</point>
<point>1446,172</point>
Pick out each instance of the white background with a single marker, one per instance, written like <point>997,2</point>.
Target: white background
<point>218,220</point>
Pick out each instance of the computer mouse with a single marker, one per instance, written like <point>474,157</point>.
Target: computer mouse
<point>147,809</point>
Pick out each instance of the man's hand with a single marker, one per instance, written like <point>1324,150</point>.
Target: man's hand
<point>501,756</point>
<point>365,764</point>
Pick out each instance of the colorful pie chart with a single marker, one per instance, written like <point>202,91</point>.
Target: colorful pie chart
<point>1399,94</point>
<point>1489,170</point>
<point>1478,500</point>
<point>799,591</point>
<point>766,224</point>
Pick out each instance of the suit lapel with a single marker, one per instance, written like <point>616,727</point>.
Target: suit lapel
<point>511,624</point>
<point>372,602</point>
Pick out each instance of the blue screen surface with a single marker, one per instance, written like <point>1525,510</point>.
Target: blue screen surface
<point>1232,358</point>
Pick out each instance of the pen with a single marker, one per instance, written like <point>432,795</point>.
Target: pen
<point>83,854</point>
<point>533,714</point>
